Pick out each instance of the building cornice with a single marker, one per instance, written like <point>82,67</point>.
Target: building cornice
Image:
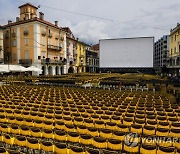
<point>33,20</point>
<point>172,31</point>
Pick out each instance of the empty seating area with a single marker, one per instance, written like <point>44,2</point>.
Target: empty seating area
<point>39,119</point>
<point>66,79</point>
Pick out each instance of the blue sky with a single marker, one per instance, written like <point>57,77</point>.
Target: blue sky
<point>131,18</point>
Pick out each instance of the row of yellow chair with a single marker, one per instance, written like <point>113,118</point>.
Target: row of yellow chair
<point>9,151</point>
<point>113,114</point>
<point>56,91</point>
<point>107,129</point>
<point>76,118</point>
<point>90,109</point>
<point>96,142</point>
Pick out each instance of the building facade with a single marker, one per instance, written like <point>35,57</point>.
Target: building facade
<point>161,49</point>
<point>92,59</point>
<point>1,46</point>
<point>81,57</point>
<point>174,51</point>
<point>71,46</point>
<point>31,40</point>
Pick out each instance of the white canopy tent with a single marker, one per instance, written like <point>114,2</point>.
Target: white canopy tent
<point>34,69</point>
<point>13,68</point>
<point>4,70</point>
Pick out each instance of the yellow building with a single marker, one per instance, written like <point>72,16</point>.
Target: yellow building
<point>1,46</point>
<point>174,51</point>
<point>81,57</point>
<point>31,40</point>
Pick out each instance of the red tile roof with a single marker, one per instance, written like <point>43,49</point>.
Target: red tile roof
<point>95,47</point>
<point>28,4</point>
<point>47,22</point>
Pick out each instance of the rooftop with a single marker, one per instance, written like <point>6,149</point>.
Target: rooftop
<point>28,4</point>
<point>85,44</point>
<point>33,20</point>
<point>95,47</point>
<point>175,29</point>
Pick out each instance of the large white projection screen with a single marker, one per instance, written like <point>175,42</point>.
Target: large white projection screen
<point>126,52</point>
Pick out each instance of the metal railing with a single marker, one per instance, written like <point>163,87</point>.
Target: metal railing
<point>53,47</point>
<point>25,61</point>
<point>52,61</point>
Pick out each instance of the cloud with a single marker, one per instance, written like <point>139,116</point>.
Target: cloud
<point>8,11</point>
<point>90,31</point>
<point>131,18</point>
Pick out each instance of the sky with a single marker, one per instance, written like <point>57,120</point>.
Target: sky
<point>106,19</point>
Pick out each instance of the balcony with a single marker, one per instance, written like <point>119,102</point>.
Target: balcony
<point>7,35</point>
<point>13,34</point>
<point>43,33</point>
<point>26,32</point>
<point>50,35</point>
<point>52,61</point>
<point>59,62</point>
<point>57,37</point>
<point>62,38</point>
<point>55,48</point>
<point>25,62</point>
<point>82,64</point>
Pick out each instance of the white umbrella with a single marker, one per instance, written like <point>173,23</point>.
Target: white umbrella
<point>34,69</point>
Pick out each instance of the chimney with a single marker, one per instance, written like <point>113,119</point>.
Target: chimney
<point>41,15</point>
<point>17,19</point>
<point>9,21</point>
<point>56,23</point>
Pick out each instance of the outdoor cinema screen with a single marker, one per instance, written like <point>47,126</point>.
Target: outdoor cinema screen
<point>126,52</point>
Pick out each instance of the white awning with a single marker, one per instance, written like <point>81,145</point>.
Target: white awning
<point>34,69</point>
